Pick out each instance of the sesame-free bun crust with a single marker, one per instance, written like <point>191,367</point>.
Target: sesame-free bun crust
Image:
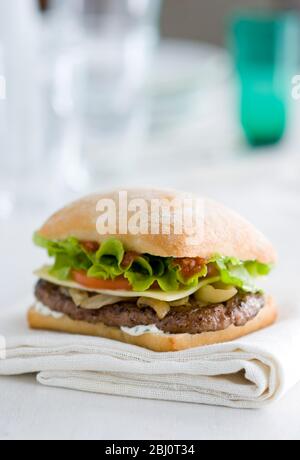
<point>220,231</point>
<point>155,342</point>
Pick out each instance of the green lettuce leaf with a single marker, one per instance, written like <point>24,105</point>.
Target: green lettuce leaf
<point>139,281</point>
<point>144,270</point>
<point>68,255</point>
<point>108,260</point>
<point>61,268</point>
<point>257,269</point>
<point>168,282</point>
<point>240,274</point>
<point>194,280</point>
<point>140,274</point>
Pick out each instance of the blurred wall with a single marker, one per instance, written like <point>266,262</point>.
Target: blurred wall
<point>202,19</point>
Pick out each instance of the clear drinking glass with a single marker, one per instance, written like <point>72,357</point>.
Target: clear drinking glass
<point>21,160</point>
<point>6,201</point>
<point>100,57</point>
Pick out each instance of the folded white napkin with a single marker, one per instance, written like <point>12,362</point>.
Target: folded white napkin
<point>249,373</point>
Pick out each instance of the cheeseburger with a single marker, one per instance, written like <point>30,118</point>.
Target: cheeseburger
<point>151,283</point>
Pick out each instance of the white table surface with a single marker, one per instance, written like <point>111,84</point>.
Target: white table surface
<point>268,195</point>
<point>30,411</point>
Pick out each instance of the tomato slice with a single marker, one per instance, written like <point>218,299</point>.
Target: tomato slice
<point>119,283</point>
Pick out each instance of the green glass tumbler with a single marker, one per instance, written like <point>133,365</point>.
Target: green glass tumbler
<point>265,47</point>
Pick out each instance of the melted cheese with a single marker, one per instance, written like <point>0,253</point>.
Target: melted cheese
<point>43,273</point>
<point>160,307</point>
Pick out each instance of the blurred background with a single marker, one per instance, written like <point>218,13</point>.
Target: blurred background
<point>195,95</point>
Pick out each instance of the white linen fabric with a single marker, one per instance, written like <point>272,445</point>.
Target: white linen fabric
<point>251,372</point>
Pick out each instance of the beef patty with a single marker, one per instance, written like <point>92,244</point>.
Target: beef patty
<point>191,319</point>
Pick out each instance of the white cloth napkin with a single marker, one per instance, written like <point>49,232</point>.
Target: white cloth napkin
<point>249,373</point>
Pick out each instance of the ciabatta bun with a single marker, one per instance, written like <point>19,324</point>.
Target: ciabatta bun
<point>221,231</point>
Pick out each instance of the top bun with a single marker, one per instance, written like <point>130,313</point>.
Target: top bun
<point>219,231</point>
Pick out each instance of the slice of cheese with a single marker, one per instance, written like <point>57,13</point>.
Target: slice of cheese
<point>43,274</point>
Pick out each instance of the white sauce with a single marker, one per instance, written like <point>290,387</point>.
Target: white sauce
<point>45,311</point>
<point>141,330</point>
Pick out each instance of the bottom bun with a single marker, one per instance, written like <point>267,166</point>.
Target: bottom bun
<point>155,342</point>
